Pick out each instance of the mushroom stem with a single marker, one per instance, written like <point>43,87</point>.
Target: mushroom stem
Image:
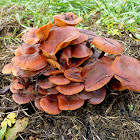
<point>101,55</point>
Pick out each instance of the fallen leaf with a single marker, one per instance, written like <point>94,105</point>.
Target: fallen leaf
<point>19,126</point>
<point>3,132</point>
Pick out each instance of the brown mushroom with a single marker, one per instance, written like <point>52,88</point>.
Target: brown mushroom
<point>107,45</point>
<point>31,62</point>
<point>80,50</point>
<point>96,75</point>
<point>108,59</point>
<point>44,83</point>
<point>98,96</point>
<point>59,80</point>
<point>72,102</point>
<point>59,38</point>
<point>85,95</point>
<point>7,69</point>
<point>68,19</point>
<point>37,102</point>
<point>50,104</point>
<point>127,70</point>
<point>70,89</point>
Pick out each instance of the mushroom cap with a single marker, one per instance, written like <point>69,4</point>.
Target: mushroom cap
<point>43,32</point>
<point>59,80</point>
<point>54,63</point>
<point>80,50</point>
<point>44,83</point>
<point>18,83</point>
<point>96,75</point>
<point>18,52</point>
<point>98,96</point>
<point>50,70</point>
<point>37,102</point>
<point>80,39</point>
<point>7,69</point>
<point>50,104</point>
<point>48,91</point>
<point>28,49</point>
<point>30,37</point>
<point>75,62</point>
<point>91,35</point>
<point>31,62</point>
<point>70,89</point>
<point>59,38</point>
<point>85,95</point>
<point>13,90</point>
<point>68,19</point>
<point>72,102</point>
<point>73,74</point>
<point>127,70</point>
<point>107,45</point>
<point>23,98</point>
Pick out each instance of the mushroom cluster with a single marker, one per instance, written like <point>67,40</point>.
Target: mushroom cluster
<point>57,68</point>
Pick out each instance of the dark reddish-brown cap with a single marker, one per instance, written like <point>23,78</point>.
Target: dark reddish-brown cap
<point>50,104</point>
<point>69,102</point>
<point>70,89</point>
<point>80,50</point>
<point>48,91</point>
<point>44,83</point>
<point>73,74</point>
<point>37,102</point>
<point>31,62</point>
<point>59,38</point>
<point>59,80</point>
<point>23,98</point>
<point>30,37</point>
<point>107,45</point>
<point>127,70</point>
<point>98,96</point>
<point>85,95</point>
<point>96,75</point>
<point>91,35</point>
<point>116,85</point>
<point>68,19</point>
<point>80,39</point>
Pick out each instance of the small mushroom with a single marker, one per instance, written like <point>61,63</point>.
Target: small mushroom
<point>37,102</point>
<point>98,96</point>
<point>50,104</point>
<point>80,50</point>
<point>59,80</point>
<point>96,75</point>
<point>68,19</point>
<point>72,102</point>
<point>127,70</point>
<point>84,95</point>
<point>70,89</point>
<point>7,69</point>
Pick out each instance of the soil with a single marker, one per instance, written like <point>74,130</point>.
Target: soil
<point>116,118</point>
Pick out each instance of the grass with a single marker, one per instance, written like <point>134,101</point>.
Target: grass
<point>115,16</point>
